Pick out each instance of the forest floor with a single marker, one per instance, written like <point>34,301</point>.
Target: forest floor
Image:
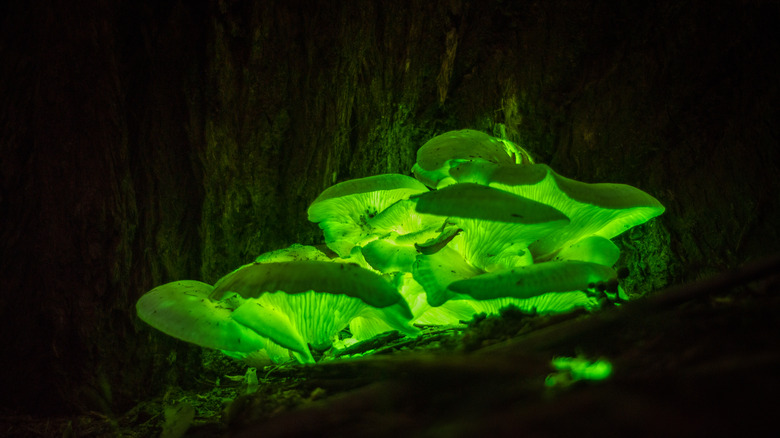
<point>698,359</point>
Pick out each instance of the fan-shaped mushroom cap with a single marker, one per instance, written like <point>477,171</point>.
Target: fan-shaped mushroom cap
<point>602,209</point>
<point>318,298</point>
<point>254,279</point>
<point>497,226</point>
<point>474,201</point>
<point>182,309</point>
<point>344,210</point>
<point>478,172</point>
<point>438,241</point>
<point>533,280</point>
<point>401,219</point>
<point>438,271</point>
<point>433,158</point>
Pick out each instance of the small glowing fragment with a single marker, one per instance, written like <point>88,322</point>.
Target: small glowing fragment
<point>573,369</point>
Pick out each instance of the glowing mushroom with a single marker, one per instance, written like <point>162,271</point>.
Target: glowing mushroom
<point>545,288</point>
<point>318,298</point>
<point>595,249</point>
<point>182,309</point>
<point>497,226</point>
<point>550,303</point>
<point>386,256</point>
<point>452,312</point>
<point>434,158</point>
<point>398,228</point>
<point>603,209</point>
<point>405,223</point>
<point>344,211</point>
<point>533,280</point>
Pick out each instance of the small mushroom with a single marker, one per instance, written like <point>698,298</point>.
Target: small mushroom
<point>436,156</point>
<point>398,229</point>
<point>344,211</point>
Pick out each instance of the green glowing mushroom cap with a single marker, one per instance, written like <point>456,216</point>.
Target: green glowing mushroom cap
<point>451,312</point>
<point>550,303</point>
<point>435,157</point>
<point>436,271</point>
<point>602,209</point>
<point>318,298</point>
<point>533,280</point>
<point>479,172</point>
<point>439,240</point>
<point>474,201</point>
<point>402,219</point>
<point>387,256</point>
<point>182,309</point>
<point>254,279</point>
<point>344,210</point>
<point>497,226</point>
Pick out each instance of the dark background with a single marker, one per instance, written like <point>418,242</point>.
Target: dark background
<point>145,141</point>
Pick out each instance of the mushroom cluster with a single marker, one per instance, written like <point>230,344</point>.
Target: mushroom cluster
<point>479,227</point>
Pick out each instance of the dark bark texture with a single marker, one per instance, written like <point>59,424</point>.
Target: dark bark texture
<point>143,142</point>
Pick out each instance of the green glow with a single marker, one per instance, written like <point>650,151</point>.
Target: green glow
<point>497,230</point>
<point>437,271</point>
<point>551,303</point>
<point>387,256</point>
<point>275,325</point>
<point>182,309</point>
<point>573,369</point>
<point>497,226</point>
<point>594,249</point>
<point>530,281</point>
<point>604,210</point>
<point>344,210</point>
<point>435,157</point>
<point>293,253</point>
<point>255,279</point>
